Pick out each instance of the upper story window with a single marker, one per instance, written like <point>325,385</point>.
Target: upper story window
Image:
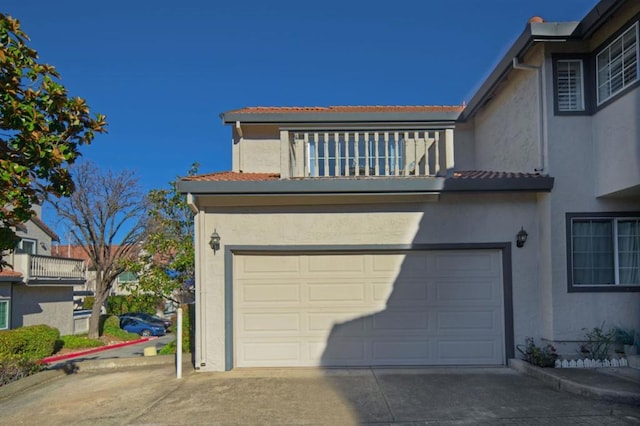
<point>28,245</point>
<point>617,64</point>
<point>603,252</point>
<point>570,85</point>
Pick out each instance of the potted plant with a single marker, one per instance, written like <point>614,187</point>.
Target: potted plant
<point>626,337</point>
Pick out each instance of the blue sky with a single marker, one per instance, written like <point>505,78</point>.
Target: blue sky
<point>162,71</point>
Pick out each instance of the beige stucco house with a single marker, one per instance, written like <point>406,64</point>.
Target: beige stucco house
<point>39,288</point>
<point>357,236</point>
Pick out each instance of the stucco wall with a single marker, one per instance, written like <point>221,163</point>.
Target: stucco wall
<point>452,219</point>
<point>52,306</point>
<point>258,150</point>
<point>616,141</point>
<point>34,232</point>
<point>507,127</point>
<point>588,155</point>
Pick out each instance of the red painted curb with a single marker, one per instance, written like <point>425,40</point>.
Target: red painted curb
<point>56,358</point>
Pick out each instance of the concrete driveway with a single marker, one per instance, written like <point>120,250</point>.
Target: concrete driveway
<point>152,395</point>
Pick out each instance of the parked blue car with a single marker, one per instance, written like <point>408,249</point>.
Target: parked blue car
<point>141,327</point>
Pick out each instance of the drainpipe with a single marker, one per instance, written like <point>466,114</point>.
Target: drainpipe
<point>542,134</point>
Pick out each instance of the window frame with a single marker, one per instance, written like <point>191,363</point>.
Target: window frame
<point>30,240</point>
<point>582,288</point>
<point>7,314</point>
<point>632,25</point>
<point>586,83</point>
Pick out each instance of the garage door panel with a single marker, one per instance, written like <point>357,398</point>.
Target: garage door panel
<point>424,308</point>
<point>268,293</point>
<point>325,322</point>
<point>271,322</point>
<point>460,264</point>
<point>342,292</point>
<point>465,291</point>
<point>261,265</point>
<point>467,321</point>
<point>394,321</point>
<point>336,264</point>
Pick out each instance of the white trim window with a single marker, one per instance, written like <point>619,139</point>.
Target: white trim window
<point>617,64</point>
<point>570,85</point>
<point>4,314</point>
<point>605,251</point>
<point>28,245</point>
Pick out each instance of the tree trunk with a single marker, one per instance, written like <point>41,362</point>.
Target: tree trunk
<point>94,320</point>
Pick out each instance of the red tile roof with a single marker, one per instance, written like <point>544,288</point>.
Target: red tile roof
<point>233,177</point>
<point>69,251</point>
<point>9,273</point>
<point>485,174</point>
<point>347,108</point>
<point>261,177</point>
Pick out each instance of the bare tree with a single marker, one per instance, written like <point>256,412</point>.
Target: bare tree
<point>106,216</point>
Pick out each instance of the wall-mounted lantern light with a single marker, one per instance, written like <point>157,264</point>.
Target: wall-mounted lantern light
<point>521,237</point>
<point>214,243</point>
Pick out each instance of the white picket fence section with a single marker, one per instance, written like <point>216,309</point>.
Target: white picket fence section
<point>591,363</point>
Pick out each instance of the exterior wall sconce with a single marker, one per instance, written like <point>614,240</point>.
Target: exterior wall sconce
<point>521,237</point>
<point>214,242</point>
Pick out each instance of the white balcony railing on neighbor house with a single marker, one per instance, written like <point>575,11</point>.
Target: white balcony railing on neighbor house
<point>368,153</point>
<point>37,267</point>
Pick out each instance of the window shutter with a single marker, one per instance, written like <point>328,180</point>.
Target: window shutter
<point>569,85</point>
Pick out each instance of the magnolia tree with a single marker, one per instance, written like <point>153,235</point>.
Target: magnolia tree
<point>106,216</point>
<point>165,264</point>
<point>41,130</point>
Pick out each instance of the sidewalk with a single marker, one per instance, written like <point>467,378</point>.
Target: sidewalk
<point>621,384</point>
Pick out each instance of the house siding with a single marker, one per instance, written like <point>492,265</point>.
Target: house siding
<point>461,219</point>
<point>507,128</point>
<point>53,306</point>
<point>258,150</point>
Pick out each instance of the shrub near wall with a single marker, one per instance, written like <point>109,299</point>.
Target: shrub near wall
<point>32,342</point>
<point>22,348</point>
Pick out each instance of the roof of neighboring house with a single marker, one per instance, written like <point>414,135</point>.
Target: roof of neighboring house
<point>70,251</point>
<point>45,228</point>
<point>9,275</point>
<point>226,183</point>
<point>343,113</point>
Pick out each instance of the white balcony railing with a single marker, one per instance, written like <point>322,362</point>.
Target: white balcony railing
<point>37,267</point>
<point>369,153</point>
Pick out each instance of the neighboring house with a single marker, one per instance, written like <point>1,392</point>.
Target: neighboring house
<point>357,236</point>
<point>39,288</point>
<point>77,252</point>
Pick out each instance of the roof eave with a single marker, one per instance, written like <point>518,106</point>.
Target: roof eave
<point>533,32</point>
<point>370,185</point>
<point>231,117</point>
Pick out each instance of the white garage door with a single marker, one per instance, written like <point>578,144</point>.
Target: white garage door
<point>414,308</point>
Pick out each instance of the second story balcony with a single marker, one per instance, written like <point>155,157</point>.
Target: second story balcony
<point>329,153</point>
<point>37,269</point>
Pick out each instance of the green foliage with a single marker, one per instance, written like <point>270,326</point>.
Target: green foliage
<point>541,356</point>
<point>15,367</point>
<point>166,265</point>
<point>79,342</point>
<point>624,336</point>
<point>598,342</point>
<point>118,305</point>
<point>32,342</point>
<point>187,332</point>
<point>87,303</point>
<point>41,130</point>
<point>112,328</point>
